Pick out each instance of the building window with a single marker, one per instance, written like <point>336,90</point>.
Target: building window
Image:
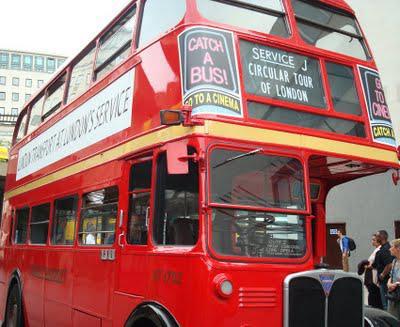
<point>4,57</point>
<point>39,64</point>
<point>51,65</point>
<point>2,110</point>
<point>15,81</point>
<point>15,97</point>
<point>2,95</point>
<point>16,61</point>
<point>28,82</point>
<point>39,83</point>
<point>14,111</point>
<point>28,62</point>
<point>3,80</point>
<point>60,62</point>
<point>27,97</point>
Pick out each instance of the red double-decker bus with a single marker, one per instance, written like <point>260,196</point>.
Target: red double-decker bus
<point>175,172</point>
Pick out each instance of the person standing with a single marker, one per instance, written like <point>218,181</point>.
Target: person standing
<point>383,265</point>
<point>343,241</point>
<point>394,280</point>
<point>374,297</point>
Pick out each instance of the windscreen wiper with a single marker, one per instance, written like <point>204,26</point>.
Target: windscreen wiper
<point>250,153</point>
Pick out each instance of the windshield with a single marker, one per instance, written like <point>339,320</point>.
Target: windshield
<point>255,179</point>
<point>255,234</point>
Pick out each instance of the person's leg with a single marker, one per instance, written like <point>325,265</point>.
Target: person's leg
<point>345,263</point>
<point>374,296</point>
<point>392,308</point>
<point>383,290</point>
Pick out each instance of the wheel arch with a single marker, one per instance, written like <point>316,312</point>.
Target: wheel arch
<point>14,279</point>
<point>154,312</point>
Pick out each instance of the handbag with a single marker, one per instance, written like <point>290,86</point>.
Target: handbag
<point>394,295</point>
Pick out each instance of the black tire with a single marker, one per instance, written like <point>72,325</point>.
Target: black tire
<point>14,316</point>
<point>151,315</point>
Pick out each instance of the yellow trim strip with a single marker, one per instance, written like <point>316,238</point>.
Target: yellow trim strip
<point>216,129</point>
<point>303,141</point>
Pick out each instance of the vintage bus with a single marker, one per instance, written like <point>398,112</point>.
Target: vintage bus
<point>175,172</point>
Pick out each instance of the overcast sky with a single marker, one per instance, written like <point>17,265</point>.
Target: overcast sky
<point>65,27</point>
<point>54,26</point>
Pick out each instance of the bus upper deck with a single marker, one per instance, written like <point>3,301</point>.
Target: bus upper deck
<point>299,73</point>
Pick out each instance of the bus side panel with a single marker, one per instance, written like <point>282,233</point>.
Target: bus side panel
<point>33,272</point>
<point>58,287</point>
<point>123,305</point>
<point>93,283</point>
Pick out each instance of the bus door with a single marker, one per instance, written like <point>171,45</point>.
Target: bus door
<point>94,260</point>
<point>132,276</point>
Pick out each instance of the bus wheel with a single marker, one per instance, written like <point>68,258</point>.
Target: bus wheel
<point>14,308</point>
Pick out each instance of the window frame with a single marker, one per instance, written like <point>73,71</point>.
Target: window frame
<point>158,188</point>
<point>81,209</point>
<point>92,46</point>
<point>50,90</point>
<point>52,225</point>
<point>284,14</point>
<point>38,98</point>
<point>131,44</point>
<point>323,27</point>
<point>140,191</point>
<point>15,225</point>
<point>22,114</point>
<point>39,223</point>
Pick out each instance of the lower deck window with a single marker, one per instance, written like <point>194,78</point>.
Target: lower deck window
<point>40,223</point>
<point>98,217</point>
<point>21,226</point>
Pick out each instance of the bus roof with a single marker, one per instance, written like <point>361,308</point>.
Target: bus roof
<point>339,3</point>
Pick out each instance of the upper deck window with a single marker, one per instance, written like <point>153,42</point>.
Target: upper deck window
<point>343,89</point>
<point>36,115</point>
<point>55,94</point>
<point>81,75</point>
<point>115,45</point>
<point>256,15</point>
<point>329,29</point>
<point>21,126</point>
<point>158,17</point>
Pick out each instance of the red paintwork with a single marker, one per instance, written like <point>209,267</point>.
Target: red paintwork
<point>97,293</point>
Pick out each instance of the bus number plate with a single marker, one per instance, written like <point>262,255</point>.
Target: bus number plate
<point>107,254</point>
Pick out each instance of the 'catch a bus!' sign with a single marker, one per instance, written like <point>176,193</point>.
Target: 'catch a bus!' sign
<point>209,73</point>
<point>106,113</point>
<point>378,112</point>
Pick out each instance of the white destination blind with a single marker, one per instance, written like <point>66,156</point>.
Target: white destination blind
<point>107,113</point>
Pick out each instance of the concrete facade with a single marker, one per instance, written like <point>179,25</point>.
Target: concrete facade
<point>21,75</point>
